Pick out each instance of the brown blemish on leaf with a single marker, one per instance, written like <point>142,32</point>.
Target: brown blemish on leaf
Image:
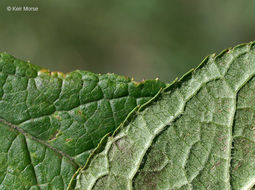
<point>54,136</point>
<point>150,180</point>
<point>57,117</point>
<point>215,165</point>
<point>246,149</point>
<point>54,73</point>
<point>79,112</point>
<point>69,140</point>
<point>220,138</point>
<point>122,145</point>
<point>237,166</point>
<point>44,71</point>
<point>136,83</point>
<point>158,162</point>
<point>59,74</point>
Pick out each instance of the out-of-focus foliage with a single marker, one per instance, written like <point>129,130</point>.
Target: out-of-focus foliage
<point>143,39</point>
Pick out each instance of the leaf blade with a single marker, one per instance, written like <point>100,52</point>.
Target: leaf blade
<point>183,140</point>
<point>61,112</point>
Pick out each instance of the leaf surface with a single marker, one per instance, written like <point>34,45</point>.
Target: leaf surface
<point>50,122</point>
<point>197,134</point>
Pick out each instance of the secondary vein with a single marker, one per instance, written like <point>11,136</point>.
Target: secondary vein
<point>27,135</point>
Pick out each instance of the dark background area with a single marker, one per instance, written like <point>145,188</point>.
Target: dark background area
<point>143,39</point>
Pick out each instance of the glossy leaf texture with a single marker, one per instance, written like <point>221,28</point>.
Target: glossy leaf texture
<point>50,122</point>
<point>198,134</point>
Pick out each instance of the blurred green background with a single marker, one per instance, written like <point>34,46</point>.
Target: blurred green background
<point>143,39</point>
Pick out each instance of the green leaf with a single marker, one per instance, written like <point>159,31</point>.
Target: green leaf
<point>199,133</point>
<point>50,122</point>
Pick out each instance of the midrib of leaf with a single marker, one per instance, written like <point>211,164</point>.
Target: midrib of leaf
<point>88,181</point>
<point>27,135</point>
